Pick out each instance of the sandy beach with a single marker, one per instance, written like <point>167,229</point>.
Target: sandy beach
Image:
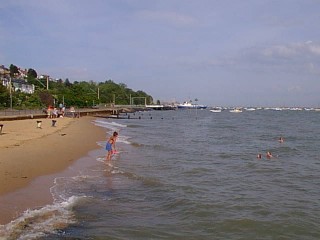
<point>28,152</point>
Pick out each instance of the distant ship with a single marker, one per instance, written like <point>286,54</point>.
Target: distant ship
<point>189,105</point>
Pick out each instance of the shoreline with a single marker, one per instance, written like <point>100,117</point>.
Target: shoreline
<point>32,157</point>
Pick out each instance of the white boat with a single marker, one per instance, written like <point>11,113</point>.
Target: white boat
<point>235,110</point>
<point>189,105</point>
<point>216,110</point>
<point>160,107</point>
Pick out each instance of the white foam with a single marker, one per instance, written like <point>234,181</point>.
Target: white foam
<point>66,187</point>
<point>37,223</point>
<point>116,171</point>
<point>101,159</point>
<point>123,141</point>
<point>119,125</point>
<point>109,165</point>
<point>110,125</point>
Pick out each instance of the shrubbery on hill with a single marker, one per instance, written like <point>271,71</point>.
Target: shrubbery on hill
<point>80,94</point>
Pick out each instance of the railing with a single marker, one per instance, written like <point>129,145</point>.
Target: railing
<point>13,112</point>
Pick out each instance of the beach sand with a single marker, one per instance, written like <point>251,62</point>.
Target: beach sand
<point>28,154</point>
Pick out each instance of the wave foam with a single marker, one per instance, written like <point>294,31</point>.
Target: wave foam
<point>110,125</point>
<point>37,223</point>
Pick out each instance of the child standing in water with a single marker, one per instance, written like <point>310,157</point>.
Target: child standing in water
<point>111,145</point>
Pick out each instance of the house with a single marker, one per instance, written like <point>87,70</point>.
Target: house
<point>42,76</point>
<point>22,85</point>
<point>4,72</point>
<point>19,85</point>
<point>23,73</point>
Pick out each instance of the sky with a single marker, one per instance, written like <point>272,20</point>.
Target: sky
<point>221,52</point>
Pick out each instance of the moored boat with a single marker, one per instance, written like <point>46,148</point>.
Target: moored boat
<point>216,110</point>
<point>236,110</point>
<point>250,109</point>
<point>189,105</point>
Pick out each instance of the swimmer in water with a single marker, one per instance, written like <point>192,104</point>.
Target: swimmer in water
<point>281,140</point>
<point>259,156</point>
<point>269,155</point>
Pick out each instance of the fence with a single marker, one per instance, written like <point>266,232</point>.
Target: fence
<point>28,112</point>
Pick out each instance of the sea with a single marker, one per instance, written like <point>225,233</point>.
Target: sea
<point>189,174</point>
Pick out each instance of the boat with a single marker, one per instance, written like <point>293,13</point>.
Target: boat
<point>216,110</point>
<point>235,110</point>
<point>160,107</point>
<point>189,105</point>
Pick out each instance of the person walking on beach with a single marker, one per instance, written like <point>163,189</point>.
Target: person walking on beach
<point>111,145</point>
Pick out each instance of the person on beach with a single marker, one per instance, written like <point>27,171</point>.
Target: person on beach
<point>49,112</point>
<point>111,145</point>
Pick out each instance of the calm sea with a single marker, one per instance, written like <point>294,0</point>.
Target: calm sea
<point>190,174</point>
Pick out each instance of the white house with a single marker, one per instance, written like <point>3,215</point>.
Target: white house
<point>19,85</point>
<point>22,85</point>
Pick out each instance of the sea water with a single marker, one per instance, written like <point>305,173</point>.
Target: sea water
<point>190,174</point>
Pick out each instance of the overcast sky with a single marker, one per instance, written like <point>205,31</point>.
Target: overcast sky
<point>222,52</point>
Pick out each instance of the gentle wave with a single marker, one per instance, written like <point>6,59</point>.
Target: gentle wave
<point>110,125</point>
<point>37,223</point>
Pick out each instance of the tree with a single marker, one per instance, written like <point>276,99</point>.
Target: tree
<point>4,96</point>
<point>78,93</point>
<point>67,83</point>
<point>46,98</point>
<point>32,73</point>
<point>13,70</point>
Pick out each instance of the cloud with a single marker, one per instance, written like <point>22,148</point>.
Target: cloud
<point>295,89</point>
<point>315,50</point>
<point>293,50</point>
<point>168,17</point>
<point>299,58</point>
<point>279,51</point>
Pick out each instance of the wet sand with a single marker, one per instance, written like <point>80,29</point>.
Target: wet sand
<point>29,156</point>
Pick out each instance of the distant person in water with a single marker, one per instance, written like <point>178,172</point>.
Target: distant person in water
<point>269,155</point>
<point>111,145</point>
<point>259,156</point>
<point>281,140</point>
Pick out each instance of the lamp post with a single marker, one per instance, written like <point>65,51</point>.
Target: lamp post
<point>10,89</point>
